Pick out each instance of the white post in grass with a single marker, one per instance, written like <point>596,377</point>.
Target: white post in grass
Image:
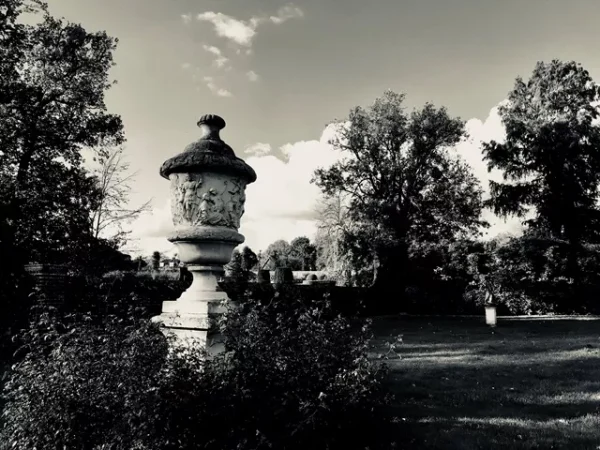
<point>490,303</point>
<point>490,315</point>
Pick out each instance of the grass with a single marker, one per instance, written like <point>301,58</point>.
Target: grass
<point>527,384</point>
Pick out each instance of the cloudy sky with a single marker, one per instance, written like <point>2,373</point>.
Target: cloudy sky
<point>279,72</point>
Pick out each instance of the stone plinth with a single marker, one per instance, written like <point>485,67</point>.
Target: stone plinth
<point>208,184</point>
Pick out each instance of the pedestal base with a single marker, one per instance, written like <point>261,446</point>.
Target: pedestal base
<point>191,319</point>
<point>194,323</point>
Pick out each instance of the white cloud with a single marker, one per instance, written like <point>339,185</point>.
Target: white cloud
<point>221,60</point>
<point>252,75</point>
<point>212,49</point>
<point>471,150</point>
<point>238,31</point>
<point>220,92</point>
<point>187,18</point>
<point>242,32</point>
<point>286,13</point>
<point>258,149</point>
<point>282,203</point>
<point>186,66</point>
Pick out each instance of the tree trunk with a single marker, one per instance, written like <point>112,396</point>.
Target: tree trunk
<point>389,277</point>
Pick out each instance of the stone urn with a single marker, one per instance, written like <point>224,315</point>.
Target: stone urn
<point>208,184</point>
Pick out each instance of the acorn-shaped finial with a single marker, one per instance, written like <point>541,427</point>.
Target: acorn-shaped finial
<point>211,125</point>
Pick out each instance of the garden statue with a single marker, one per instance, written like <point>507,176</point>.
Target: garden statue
<point>208,185</point>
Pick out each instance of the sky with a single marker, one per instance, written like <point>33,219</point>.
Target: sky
<point>279,73</point>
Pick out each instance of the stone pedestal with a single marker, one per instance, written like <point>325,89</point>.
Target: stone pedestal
<point>208,185</point>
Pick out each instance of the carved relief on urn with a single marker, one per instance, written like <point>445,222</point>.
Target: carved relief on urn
<point>198,200</point>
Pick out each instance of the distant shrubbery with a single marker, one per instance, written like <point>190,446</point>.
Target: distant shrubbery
<point>296,376</point>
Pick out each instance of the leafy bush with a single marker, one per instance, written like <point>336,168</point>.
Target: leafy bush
<point>83,384</point>
<point>294,376</point>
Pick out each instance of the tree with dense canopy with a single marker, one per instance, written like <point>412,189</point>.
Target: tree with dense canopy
<point>551,156</point>
<point>54,75</point>
<point>403,182</point>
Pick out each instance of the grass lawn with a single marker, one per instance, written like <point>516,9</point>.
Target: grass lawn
<point>527,384</point>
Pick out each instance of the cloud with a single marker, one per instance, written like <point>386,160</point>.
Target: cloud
<point>258,149</point>
<point>238,31</point>
<point>286,13</point>
<point>187,18</point>
<point>471,150</point>
<point>221,60</point>
<point>282,203</point>
<point>186,66</point>
<point>220,92</point>
<point>252,75</point>
<point>242,32</point>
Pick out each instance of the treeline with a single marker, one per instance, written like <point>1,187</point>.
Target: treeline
<point>403,211</point>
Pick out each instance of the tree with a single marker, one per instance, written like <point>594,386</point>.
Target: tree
<point>403,183</point>
<point>139,263</point>
<point>249,260</point>
<point>277,254</point>
<point>331,223</point>
<point>156,260</point>
<point>234,267</point>
<point>303,253</point>
<point>54,77</point>
<point>114,183</point>
<point>551,156</point>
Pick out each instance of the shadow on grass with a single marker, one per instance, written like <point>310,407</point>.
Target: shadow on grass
<point>523,385</point>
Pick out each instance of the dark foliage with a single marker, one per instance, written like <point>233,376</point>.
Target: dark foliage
<point>296,376</point>
<point>118,292</point>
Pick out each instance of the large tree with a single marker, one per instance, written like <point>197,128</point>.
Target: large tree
<point>54,77</point>
<point>403,182</point>
<point>551,156</point>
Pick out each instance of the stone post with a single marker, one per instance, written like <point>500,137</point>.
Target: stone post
<point>208,184</point>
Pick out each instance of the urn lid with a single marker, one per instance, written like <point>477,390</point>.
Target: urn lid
<point>209,153</point>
